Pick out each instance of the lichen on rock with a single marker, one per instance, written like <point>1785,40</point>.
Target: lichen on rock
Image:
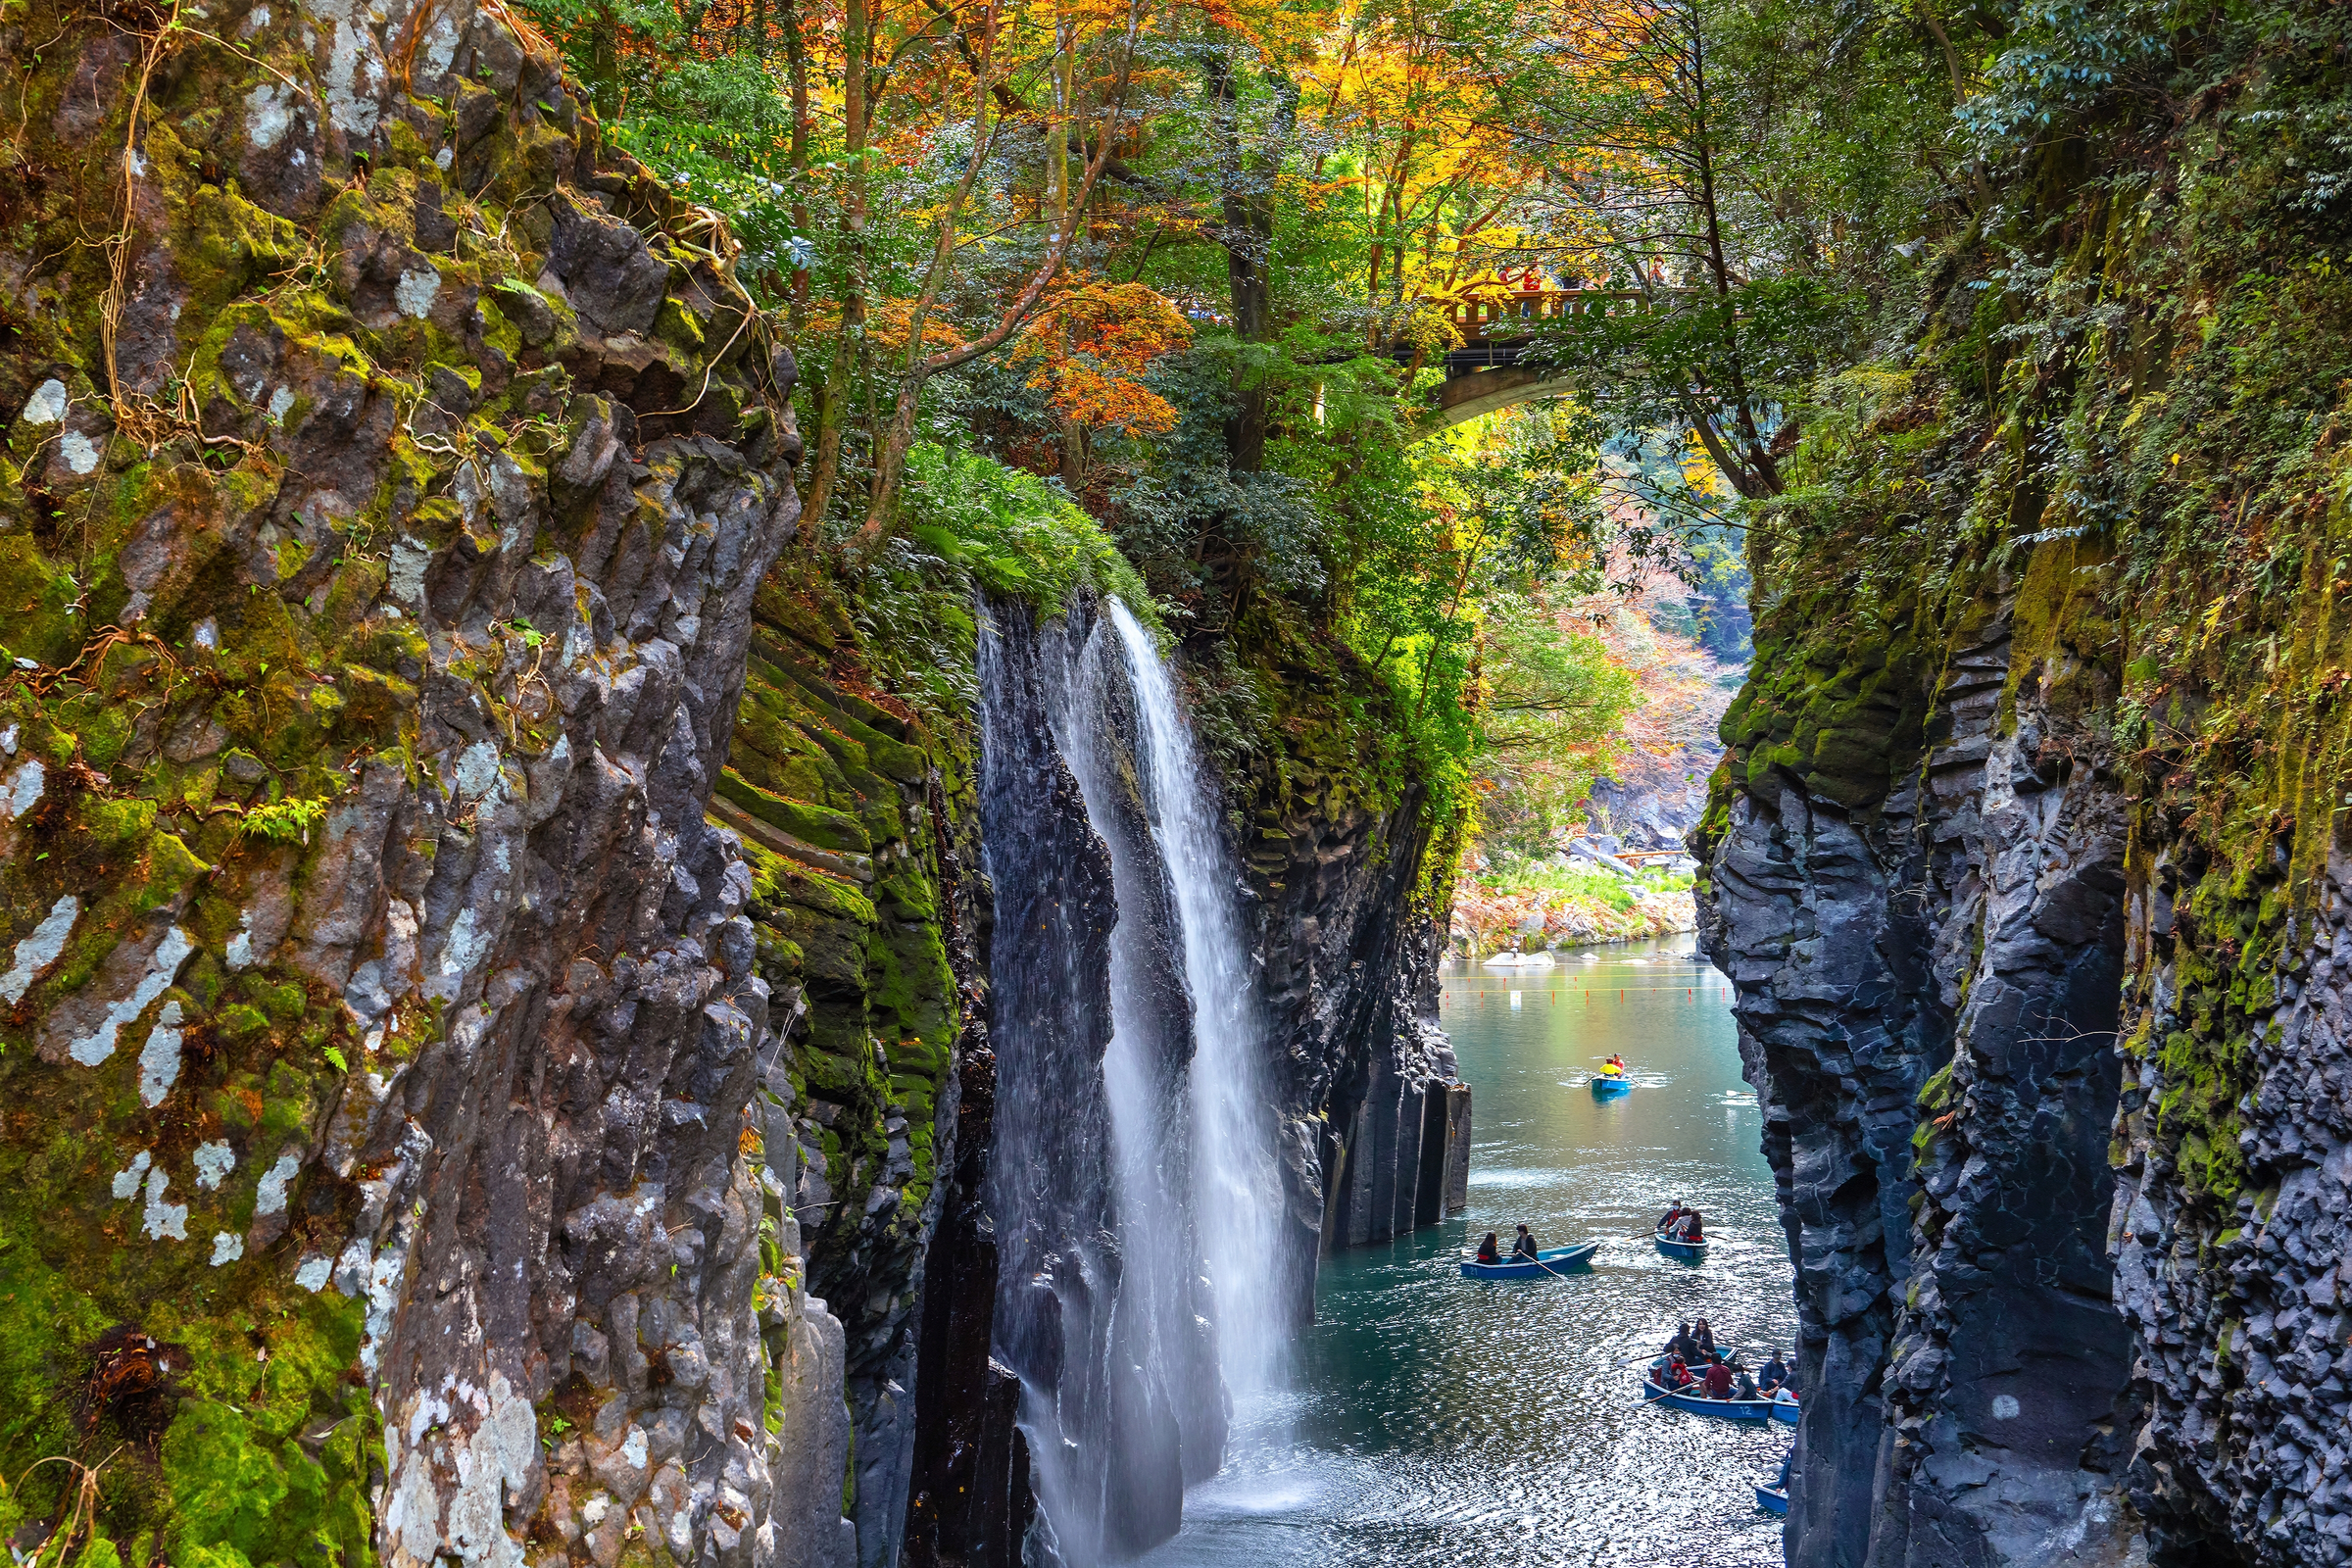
<point>377,580</point>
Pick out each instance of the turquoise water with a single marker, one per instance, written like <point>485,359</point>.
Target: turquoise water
<point>1438,1420</point>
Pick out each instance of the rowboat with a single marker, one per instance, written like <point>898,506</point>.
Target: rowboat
<point>1609,1085</point>
<point>1687,1252</point>
<point>1547,1264</point>
<point>1773,1501</point>
<point>1757,1410</point>
<point>1781,1406</point>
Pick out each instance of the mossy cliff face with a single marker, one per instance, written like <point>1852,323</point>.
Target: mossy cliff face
<point>1927,989</point>
<point>859,821</point>
<point>2027,857</point>
<point>862,816</point>
<point>388,472</point>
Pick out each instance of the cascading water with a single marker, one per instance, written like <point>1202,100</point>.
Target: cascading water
<point>1132,1180</point>
<point>1163,1315</point>
<point>1237,1189</point>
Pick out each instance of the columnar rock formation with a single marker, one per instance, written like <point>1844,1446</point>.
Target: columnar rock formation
<point>1928,998</point>
<point>488,1078</point>
<point>384,502</point>
<point>2027,853</point>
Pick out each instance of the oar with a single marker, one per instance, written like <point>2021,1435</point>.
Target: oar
<point>1546,1267</point>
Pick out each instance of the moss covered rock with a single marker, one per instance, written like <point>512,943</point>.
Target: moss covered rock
<point>386,489</point>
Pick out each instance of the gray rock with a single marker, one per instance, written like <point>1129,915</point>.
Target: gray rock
<point>1927,1008</point>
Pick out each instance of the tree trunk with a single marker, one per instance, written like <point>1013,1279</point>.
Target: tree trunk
<point>1247,203</point>
<point>604,64</point>
<point>833,399</point>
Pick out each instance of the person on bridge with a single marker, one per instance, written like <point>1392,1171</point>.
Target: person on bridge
<point>1488,1253</point>
<point>1525,1246</point>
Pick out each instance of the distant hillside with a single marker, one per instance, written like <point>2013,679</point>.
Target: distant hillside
<point>1656,792</point>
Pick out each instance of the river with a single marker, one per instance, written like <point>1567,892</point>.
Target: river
<point>1437,1420</point>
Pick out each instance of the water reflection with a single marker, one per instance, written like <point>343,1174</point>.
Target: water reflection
<point>1443,1421</point>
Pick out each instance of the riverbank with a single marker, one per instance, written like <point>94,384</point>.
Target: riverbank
<point>1563,907</point>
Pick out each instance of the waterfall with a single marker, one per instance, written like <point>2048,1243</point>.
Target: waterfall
<point>1164,1313</point>
<point>1237,1189</point>
<point>1131,1177</point>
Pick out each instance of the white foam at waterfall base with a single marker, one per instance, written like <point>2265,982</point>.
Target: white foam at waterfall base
<point>1237,1192</point>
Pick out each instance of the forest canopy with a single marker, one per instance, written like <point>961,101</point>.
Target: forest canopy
<point>1200,268</point>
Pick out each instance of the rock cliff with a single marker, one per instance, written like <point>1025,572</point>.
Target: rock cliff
<point>1927,990</point>
<point>389,474</point>
<point>498,978</point>
<point>2026,854</point>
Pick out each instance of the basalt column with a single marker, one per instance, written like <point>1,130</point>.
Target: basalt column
<point>381,535</point>
<point>1928,1001</point>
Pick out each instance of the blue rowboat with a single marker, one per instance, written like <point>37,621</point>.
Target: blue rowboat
<point>1773,1501</point>
<point>1781,1406</point>
<point>1757,1410</point>
<point>1687,1252</point>
<point>1607,1086</point>
<point>1558,1260</point>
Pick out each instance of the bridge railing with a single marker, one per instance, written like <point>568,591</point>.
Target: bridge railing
<point>1516,310</point>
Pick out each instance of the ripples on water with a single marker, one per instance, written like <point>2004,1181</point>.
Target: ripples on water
<point>1439,1420</point>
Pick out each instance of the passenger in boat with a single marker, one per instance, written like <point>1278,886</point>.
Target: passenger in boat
<point>1674,1374</point>
<point>1691,1230</point>
<point>1488,1253</point>
<point>1525,1246</point>
<point>1774,1377</point>
<point>1743,1386</point>
<point>1703,1337</point>
<point>1719,1382</point>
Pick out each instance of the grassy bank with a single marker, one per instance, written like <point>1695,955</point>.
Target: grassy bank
<point>1542,904</point>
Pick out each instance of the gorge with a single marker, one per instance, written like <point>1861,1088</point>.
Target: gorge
<point>595,976</point>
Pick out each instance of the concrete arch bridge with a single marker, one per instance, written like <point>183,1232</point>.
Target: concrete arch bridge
<point>1485,376</point>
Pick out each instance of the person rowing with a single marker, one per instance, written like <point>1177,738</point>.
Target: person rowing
<point>1614,1067</point>
<point>1672,1218</point>
<point>1488,1253</point>
<point>1719,1381</point>
<point>1682,1345</point>
<point>1525,1246</point>
<point>1774,1377</point>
